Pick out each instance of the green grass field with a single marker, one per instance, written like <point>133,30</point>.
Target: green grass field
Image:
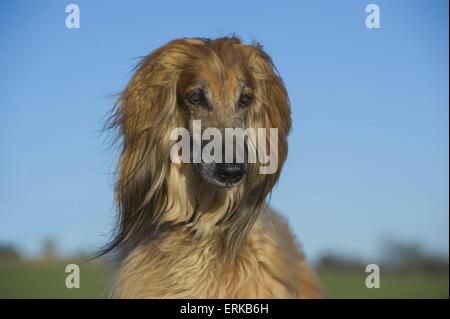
<point>351,284</point>
<point>47,280</point>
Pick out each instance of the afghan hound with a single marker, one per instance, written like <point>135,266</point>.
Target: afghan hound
<point>202,229</point>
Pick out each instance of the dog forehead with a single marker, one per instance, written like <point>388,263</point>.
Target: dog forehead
<point>219,68</point>
<point>216,79</point>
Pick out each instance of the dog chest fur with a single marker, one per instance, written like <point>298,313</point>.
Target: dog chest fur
<point>179,266</point>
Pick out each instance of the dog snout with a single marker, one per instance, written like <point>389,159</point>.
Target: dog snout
<point>230,172</point>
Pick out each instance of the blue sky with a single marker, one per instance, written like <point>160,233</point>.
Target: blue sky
<point>369,151</point>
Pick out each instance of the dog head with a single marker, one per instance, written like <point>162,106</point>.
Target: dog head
<point>222,84</point>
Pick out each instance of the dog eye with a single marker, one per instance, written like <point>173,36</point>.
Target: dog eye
<point>196,98</point>
<point>245,100</point>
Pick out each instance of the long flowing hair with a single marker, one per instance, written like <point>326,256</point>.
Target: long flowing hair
<point>143,118</point>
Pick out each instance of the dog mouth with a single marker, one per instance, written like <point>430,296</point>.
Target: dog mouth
<point>222,174</point>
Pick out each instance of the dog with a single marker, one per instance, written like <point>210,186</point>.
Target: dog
<point>202,230</point>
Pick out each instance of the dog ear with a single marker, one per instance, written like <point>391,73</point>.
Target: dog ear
<point>144,116</point>
<point>272,110</point>
<point>273,92</point>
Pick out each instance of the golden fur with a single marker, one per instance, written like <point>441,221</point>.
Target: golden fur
<point>179,236</point>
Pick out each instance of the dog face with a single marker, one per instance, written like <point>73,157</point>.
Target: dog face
<point>224,84</point>
<point>218,93</point>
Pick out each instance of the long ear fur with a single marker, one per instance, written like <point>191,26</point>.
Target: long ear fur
<point>271,111</point>
<point>144,116</point>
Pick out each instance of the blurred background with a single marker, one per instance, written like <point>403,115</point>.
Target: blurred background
<point>367,176</point>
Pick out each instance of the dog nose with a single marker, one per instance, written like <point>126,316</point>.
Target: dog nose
<point>230,173</point>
